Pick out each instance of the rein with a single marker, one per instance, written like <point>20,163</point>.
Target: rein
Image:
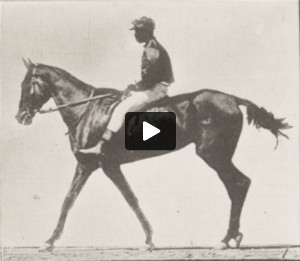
<point>71,104</point>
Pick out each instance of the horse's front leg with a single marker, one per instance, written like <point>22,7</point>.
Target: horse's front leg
<point>114,172</point>
<point>81,175</point>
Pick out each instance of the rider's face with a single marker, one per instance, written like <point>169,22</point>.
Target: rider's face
<point>141,36</point>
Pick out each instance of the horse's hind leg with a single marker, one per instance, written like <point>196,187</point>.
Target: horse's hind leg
<point>216,146</point>
<point>237,185</point>
<point>82,173</point>
<point>114,172</point>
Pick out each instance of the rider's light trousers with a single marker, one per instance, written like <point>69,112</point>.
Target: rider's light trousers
<point>134,102</point>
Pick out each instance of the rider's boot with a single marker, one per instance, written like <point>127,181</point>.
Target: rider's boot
<point>98,148</point>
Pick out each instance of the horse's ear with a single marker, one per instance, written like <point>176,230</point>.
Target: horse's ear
<point>27,64</point>
<point>30,61</point>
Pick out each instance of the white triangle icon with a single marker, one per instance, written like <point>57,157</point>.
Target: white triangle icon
<point>149,131</point>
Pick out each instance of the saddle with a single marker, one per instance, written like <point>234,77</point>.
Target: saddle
<point>154,106</point>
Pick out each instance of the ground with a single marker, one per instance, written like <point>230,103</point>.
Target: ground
<point>193,253</point>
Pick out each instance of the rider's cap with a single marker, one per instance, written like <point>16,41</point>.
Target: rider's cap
<point>143,23</point>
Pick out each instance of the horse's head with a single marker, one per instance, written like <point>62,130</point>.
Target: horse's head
<point>34,93</point>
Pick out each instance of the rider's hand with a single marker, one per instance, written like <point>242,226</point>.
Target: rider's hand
<point>131,87</point>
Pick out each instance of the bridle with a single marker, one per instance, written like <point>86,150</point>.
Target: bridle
<point>36,90</point>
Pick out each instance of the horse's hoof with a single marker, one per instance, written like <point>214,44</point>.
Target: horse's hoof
<point>235,242</point>
<point>151,247</point>
<point>46,248</point>
<point>221,246</point>
<point>148,247</point>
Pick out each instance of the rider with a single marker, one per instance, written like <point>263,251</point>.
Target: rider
<point>156,74</point>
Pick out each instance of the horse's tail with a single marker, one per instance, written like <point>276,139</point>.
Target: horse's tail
<point>262,118</point>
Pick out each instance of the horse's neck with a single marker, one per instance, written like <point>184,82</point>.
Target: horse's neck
<point>65,91</point>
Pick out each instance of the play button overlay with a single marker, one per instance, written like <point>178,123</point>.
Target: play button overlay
<point>150,131</point>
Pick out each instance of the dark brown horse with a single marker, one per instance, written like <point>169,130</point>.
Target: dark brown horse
<point>210,119</point>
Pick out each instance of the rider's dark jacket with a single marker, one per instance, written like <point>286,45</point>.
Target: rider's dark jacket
<point>156,66</point>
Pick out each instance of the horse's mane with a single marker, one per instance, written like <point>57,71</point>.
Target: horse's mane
<point>66,75</point>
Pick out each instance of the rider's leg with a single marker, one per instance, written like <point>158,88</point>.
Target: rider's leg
<point>135,100</point>
<point>132,103</point>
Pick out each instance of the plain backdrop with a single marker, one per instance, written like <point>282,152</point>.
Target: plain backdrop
<point>246,48</point>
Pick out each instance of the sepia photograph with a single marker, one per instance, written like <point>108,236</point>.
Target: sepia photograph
<point>149,130</point>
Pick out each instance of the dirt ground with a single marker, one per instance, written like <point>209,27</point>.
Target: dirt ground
<point>205,253</point>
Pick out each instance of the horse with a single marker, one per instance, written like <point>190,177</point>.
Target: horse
<point>210,119</point>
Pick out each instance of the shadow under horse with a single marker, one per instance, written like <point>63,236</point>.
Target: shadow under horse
<point>210,119</point>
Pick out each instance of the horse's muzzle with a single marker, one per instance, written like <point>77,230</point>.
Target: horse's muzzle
<point>24,118</point>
